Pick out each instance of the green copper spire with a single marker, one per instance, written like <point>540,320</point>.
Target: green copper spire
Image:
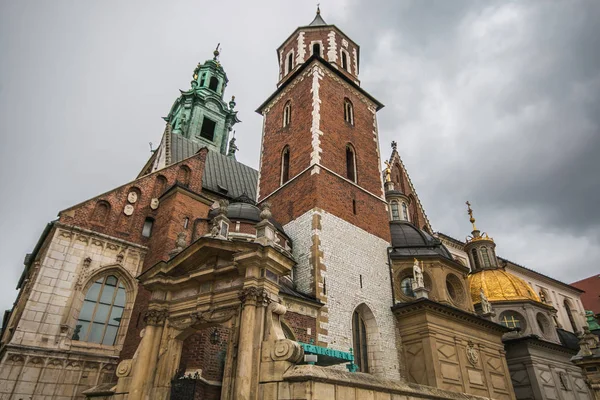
<point>200,114</point>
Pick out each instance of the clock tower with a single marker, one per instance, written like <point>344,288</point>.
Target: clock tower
<point>320,170</point>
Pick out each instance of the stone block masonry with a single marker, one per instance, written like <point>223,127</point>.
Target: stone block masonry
<point>351,270</point>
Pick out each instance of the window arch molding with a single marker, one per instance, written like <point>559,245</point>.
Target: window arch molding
<point>101,212</point>
<point>285,165</point>
<point>351,170</point>
<point>287,113</point>
<point>365,334</point>
<point>131,290</point>
<point>348,111</point>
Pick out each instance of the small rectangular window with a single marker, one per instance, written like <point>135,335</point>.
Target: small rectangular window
<point>147,229</point>
<point>354,206</point>
<point>186,222</point>
<point>208,129</point>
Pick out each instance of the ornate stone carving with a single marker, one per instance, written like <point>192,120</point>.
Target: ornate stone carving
<point>265,214</point>
<point>124,368</point>
<point>154,203</point>
<point>132,197</point>
<point>17,358</point>
<point>180,244</point>
<point>120,257</point>
<point>254,295</point>
<point>223,206</point>
<point>87,261</point>
<point>66,234</point>
<point>486,307</point>
<point>156,317</point>
<point>128,210</point>
<point>472,354</point>
<point>56,362</point>
<point>36,360</point>
<point>206,317</point>
<point>286,350</point>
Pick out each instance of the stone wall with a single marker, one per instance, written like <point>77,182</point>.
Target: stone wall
<point>347,256</point>
<point>40,356</point>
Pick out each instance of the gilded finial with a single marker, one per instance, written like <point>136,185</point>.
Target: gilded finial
<point>216,52</point>
<point>470,212</point>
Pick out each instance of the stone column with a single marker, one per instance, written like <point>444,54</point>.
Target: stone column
<point>249,297</point>
<point>142,379</point>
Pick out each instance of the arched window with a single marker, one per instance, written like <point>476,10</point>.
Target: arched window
<point>101,313</point>
<point>147,229</point>
<point>406,285</point>
<point>159,186</point>
<point>202,80</point>
<point>475,258</point>
<point>348,112</point>
<point>570,315</point>
<point>285,165</point>
<point>101,212</point>
<point>404,211</point>
<point>395,211</point>
<point>290,63</point>
<point>213,84</point>
<point>359,334</point>
<point>344,60</point>
<point>316,49</point>
<point>485,257</point>
<point>287,114</point>
<point>183,175</point>
<point>350,164</point>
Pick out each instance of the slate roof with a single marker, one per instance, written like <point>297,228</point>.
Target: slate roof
<point>222,174</point>
<point>229,177</point>
<point>410,241</point>
<point>318,21</point>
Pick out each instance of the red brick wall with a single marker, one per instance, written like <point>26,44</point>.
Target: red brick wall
<point>319,34</point>
<point>299,324</point>
<point>296,136</point>
<point>199,353</point>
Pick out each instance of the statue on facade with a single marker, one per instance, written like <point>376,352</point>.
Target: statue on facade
<point>417,276</point>
<point>232,147</point>
<point>388,171</point>
<point>486,307</point>
<point>542,296</point>
<point>223,206</point>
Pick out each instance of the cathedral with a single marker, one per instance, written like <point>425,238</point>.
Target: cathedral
<point>316,277</point>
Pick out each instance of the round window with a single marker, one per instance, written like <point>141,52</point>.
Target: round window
<point>455,289</point>
<point>406,285</point>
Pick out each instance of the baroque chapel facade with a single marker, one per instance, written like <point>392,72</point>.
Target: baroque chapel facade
<point>206,279</point>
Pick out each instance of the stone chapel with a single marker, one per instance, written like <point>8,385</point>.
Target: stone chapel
<point>316,277</point>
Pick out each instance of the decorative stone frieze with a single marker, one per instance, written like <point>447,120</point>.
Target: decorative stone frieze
<point>254,296</point>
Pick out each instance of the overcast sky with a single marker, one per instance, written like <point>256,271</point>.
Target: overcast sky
<point>494,102</point>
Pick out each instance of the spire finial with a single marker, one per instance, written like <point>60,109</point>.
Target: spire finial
<point>216,52</point>
<point>394,145</point>
<point>470,212</point>
<point>318,8</point>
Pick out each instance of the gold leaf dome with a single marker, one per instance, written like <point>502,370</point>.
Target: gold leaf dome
<point>499,285</point>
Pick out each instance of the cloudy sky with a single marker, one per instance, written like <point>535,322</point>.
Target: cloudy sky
<point>494,102</point>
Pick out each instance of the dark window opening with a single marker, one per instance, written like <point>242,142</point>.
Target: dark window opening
<point>208,129</point>
<point>359,331</point>
<point>350,165</point>
<point>202,80</point>
<point>360,281</point>
<point>354,206</point>
<point>285,166</point>
<point>147,229</point>
<point>316,49</point>
<point>475,258</point>
<point>324,287</point>
<point>287,114</point>
<point>186,222</point>
<point>290,62</point>
<point>348,112</point>
<point>344,61</point>
<point>214,84</point>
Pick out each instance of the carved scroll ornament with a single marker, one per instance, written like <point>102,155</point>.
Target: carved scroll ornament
<point>156,317</point>
<point>259,297</point>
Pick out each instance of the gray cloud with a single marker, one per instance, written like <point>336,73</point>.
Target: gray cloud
<point>496,102</point>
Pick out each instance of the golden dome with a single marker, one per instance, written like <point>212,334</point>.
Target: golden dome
<point>499,285</point>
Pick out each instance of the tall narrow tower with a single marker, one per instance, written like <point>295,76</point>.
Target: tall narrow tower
<point>320,170</point>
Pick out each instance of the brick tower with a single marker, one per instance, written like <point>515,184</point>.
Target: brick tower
<point>320,170</point>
